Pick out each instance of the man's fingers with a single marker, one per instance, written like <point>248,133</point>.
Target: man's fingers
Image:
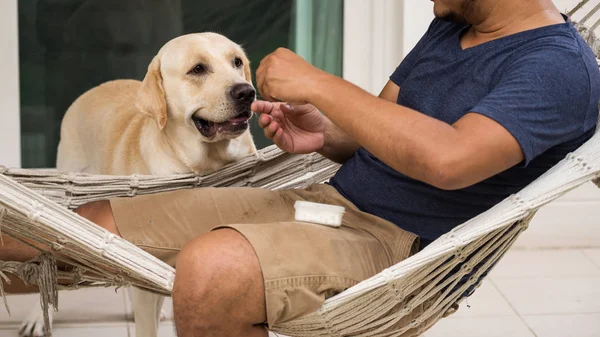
<point>271,129</point>
<point>264,120</point>
<point>262,107</point>
<point>280,140</point>
<point>261,80</point>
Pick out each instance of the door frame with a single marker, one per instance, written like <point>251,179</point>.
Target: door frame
<point>10,127</point>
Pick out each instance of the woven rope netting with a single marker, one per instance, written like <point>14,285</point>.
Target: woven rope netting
<point>403,300</point>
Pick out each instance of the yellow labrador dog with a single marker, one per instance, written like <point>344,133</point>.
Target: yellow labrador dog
<point>189,114</point>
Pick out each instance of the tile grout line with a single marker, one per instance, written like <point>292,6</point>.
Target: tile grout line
<point>513,308</point>
<point>589,258</point>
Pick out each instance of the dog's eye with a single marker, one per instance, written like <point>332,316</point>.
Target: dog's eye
<point>198,69</point>
<point>238,62</point>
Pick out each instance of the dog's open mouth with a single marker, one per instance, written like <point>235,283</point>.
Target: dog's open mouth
<point>234,126</point>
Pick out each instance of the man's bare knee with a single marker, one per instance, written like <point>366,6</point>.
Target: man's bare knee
<point>219,287</point>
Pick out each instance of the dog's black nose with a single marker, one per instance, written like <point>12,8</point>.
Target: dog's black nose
<point>242,93</point>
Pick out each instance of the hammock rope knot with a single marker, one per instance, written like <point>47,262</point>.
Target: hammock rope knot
<point>197,181</point>
<point>524,205</point>
<point>134,185</point>
<point>308,162</point>
<point>36,210</point>
<point>69,188</point>
<point>107,240</point>
<point>57,247</point>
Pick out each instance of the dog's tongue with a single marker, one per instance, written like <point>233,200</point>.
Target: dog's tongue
<point>238,119</point>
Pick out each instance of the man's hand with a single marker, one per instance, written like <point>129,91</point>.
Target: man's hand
<point>285,76</point>
<point>294,129</point>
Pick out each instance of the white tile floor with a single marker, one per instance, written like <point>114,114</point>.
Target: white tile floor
<point>540,293</point>
<point>531,293</point>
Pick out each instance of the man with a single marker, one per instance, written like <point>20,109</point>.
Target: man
<point>495,93</point>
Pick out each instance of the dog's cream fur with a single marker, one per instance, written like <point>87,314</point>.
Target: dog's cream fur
<point>128,127</point>
<point>107,130</point>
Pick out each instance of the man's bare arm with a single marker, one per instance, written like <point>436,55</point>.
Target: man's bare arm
<point>421,147</point>
<point>339,146</point>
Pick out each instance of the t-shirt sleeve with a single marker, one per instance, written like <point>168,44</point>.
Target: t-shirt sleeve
<point>407,64</point>
<point>542,99</point>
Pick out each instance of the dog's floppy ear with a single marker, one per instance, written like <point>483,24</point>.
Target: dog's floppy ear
<point>151,96</point>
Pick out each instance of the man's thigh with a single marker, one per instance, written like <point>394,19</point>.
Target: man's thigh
<point>303,264</point>
<point>163,223</point>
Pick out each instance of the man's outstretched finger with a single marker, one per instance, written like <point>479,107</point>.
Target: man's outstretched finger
<point>262,107</point>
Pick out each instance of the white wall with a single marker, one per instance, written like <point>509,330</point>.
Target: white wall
<point>417,17</point>
<point>372,41</point>
<point>10,147</point>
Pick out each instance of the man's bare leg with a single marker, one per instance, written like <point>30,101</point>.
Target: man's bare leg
<point>13,250</point>
<point>219,288</point>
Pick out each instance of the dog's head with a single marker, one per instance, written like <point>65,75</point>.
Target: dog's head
<point>199,86</point>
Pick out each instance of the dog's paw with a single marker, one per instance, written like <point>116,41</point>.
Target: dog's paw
<point>33,325</point>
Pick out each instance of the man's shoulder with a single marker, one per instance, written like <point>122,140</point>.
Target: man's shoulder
<point>559,50</point>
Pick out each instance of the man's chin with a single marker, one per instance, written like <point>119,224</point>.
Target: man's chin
<point>449,16</point>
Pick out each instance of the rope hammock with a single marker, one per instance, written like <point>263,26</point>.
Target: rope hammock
<point>403,300</point>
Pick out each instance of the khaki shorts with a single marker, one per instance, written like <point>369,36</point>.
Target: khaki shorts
<point>302,263</point>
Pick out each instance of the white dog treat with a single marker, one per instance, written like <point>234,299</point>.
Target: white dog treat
<point>323,214</point>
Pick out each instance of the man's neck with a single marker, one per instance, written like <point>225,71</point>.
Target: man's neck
<point>495,19</point>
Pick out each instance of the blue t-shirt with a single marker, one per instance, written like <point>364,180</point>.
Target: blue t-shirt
<point>542,85</point>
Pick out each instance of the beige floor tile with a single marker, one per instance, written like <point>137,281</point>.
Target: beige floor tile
<point>586,192</point>
<point>544,263</point>
<point>554,226</point>
<point>565,325</point>
<point>91,330</point>
<point>486,301</point>
<point>20,306</point>
<point>480,327</point>
<point>166,329</point>
<point>91,305</point>
<point>83,305</point>
<point>594,255</point>
<point>547,296</point>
